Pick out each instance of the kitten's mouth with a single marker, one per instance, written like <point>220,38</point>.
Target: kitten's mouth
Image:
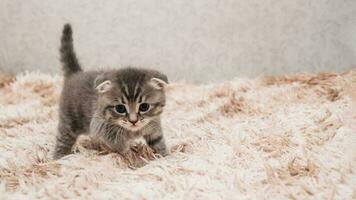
<point>133,127</point>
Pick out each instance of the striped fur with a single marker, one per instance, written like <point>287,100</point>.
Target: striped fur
<point>89,99</point>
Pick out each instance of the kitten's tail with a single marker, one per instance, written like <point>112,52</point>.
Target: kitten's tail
<point>70,64</point>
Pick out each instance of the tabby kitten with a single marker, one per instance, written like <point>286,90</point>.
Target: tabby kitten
<point>115,106</point>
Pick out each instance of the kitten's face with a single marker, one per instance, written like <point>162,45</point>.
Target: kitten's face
<point>131,103</point>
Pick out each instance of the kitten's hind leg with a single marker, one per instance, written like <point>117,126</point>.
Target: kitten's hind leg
<point>157,143</point>
<point>64,142</point>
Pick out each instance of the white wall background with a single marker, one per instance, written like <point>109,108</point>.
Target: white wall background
<point>195,40</point>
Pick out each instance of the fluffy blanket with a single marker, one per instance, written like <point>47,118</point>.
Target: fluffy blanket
<point>286,137</point>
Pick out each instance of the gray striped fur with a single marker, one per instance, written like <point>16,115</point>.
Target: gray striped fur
<point>87,106</point>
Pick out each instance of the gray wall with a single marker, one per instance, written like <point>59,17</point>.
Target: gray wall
<point>193,40</point>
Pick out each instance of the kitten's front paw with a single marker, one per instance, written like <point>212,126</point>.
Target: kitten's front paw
<point>163,152</point>
<point>57,156</point>
<point>121,149</point>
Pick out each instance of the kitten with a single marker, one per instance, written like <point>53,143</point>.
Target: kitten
<point>115,106</point>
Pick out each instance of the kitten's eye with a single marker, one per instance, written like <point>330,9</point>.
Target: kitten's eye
<point>120,109</point>
<point>144,107</point>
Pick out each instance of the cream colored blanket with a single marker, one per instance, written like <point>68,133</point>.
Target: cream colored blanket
<point>287,137</point>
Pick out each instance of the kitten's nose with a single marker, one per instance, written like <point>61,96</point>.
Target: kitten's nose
<point>133,119</point>
<point>133,122</point>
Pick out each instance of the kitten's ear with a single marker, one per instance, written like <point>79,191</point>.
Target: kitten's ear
<point>159,75</point>
<point>104,86</point>
<point>101,85</point>
<point>157,83</point>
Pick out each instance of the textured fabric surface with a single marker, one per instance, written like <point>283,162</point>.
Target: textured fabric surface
<point>196,40</point>
<point>287,137</point>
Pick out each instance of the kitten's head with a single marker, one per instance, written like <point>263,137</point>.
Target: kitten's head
<point>131,97</point>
